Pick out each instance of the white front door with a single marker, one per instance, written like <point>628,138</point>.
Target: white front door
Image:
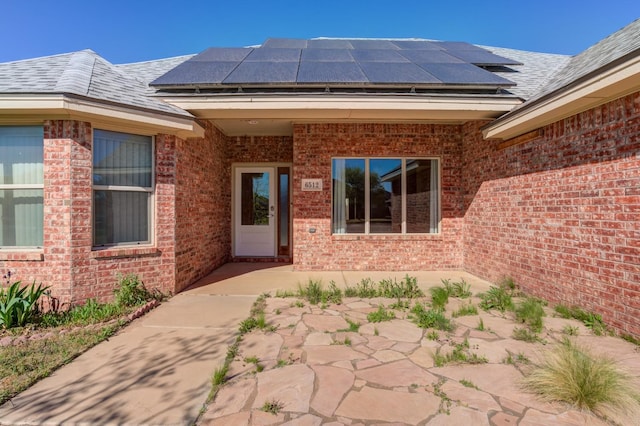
<point>255,211</point>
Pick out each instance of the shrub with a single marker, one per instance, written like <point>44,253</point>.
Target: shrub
<point>571,374</point>
<point>19,305</point>
<point>131,291</point>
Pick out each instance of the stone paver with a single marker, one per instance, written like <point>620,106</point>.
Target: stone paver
<point>384,374</point>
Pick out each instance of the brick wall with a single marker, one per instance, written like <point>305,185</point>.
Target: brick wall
<point>561,213</point>
<point>314,147</point>
<point>203,206</point>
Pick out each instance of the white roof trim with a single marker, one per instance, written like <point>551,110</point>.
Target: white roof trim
<point>607,85</point>
<point>21,107</point>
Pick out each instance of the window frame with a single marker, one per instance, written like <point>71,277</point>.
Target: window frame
<point>123,188</point>
<point>27,186</point>
<point>367,195</point>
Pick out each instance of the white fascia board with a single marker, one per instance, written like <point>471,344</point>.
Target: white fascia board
<point>338,107</point>
<point>22,108</point>
<point>612,84</point>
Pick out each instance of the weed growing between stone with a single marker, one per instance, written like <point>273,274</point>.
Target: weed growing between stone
<point>589,319</point>
<point>430,318</point>
<point>465,310</point>
<point>272,406</point>
<point>381,315</point>
<point>367,289</point>
<point>461,354</point>
<point>460,289</point>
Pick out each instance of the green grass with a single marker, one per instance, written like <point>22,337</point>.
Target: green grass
<point>480,326</point>
<point>430,318</point>
<point>570,330</point>
<point>381,315</point>
<point>461,354</point>
<point>468,384</point>
<point>465,310</point>
<point>530,312</point>
<point>460,289</point>
<point>589,319</point>
<point>526,335</point>
<point>314,293</point>
<point>25,364</point>
<point>407,288</point>
<point>497,298</point>
<point>571,374</point>
<point>433,335</point>
<point>439,297</point>
<point>272,406</point>
<point>353,326</point>
<point>519,358</point>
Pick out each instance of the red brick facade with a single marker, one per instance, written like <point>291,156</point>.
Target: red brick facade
<point>314,147</point>
<point>561,213</point>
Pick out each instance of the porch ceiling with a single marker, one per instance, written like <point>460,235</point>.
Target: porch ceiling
<point>275,116</point>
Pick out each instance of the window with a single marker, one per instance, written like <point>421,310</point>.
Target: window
<point>122,188</point>
<point>385,196</point>
<point>21,186</point>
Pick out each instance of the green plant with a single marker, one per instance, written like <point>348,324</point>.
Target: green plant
<point>589,319</point>
<point>220,375</point>
<point>312,292</point>
<point>445,401</point>
<point>460,289</point>
<point>439,297</point>
<point>570,330</point>
<point>299,304</point>
<point>496,298</point>
<point>571,374</point>
<point>461,353</point>
<point>530,312</point>
<point>375,331</point>
<point>19,305</point>
<point>131,291</point>
<point>272,406</point>
<point>468,384</point>
<point>282,362</point>
<point>367,288</point>
<point>353,326</point>
<point>464,310</point>
<point>400,305</point>
<point>380,315</point>
<point>346,342</point>
<point>519,358</point>
<point>430,318</point>
<point>480,326</point>
<point>525,335</point>
<point>629,338</point>
<point>285,294</point>
<point>433,335</point>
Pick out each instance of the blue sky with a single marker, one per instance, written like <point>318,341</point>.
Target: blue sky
<point>137,30</point>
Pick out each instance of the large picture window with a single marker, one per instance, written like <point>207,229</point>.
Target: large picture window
<point>385,196</point>
<point>122,188</point>
<point>21,186</point>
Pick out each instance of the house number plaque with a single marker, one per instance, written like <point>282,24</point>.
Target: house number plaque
<point>312,184</point>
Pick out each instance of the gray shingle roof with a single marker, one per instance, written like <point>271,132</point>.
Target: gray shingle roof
<point>619,44</point>
<point>82,73</point>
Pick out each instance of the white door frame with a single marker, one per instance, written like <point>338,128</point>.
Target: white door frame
<point>255,240</point>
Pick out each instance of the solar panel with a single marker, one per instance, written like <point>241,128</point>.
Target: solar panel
<point>263,72</point>
<point>416,44</point>
<point>430,56</point>
<point>222,54</point>
<point>377,55</point>
<point>324,55</point>
<point>373,44</point>
<point>286,43</point>
<point>482,57</point>
<point>330,72</point>
<point>464,74</point>
<point>274,55</point>
<point>379,72</point>
<point>329,44</point>
<point>194,72</point>
<point>455,45</point>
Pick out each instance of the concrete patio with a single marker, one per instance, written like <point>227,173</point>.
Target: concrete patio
<point>158,370</point>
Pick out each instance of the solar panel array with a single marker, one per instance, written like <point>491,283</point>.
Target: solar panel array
<point>294,62</point>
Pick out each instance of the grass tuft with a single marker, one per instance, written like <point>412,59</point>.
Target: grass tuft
<point>497,298</point>
<point>381,315</point>
<point>439,297</point>
<point>530,312</point>
<point>571,374</point>
<point>465,310</point>
<point>430,318</point>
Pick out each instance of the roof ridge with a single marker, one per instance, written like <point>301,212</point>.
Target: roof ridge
<point>76,77</point>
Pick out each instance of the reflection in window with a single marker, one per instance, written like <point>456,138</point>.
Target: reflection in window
<point>402,194</point>
<point>255,198</point>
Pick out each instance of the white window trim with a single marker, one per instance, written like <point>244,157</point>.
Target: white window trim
<point>151,208</point>
<point>367,195</point>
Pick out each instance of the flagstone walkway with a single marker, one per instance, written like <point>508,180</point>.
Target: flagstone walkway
<point>316,373</point>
